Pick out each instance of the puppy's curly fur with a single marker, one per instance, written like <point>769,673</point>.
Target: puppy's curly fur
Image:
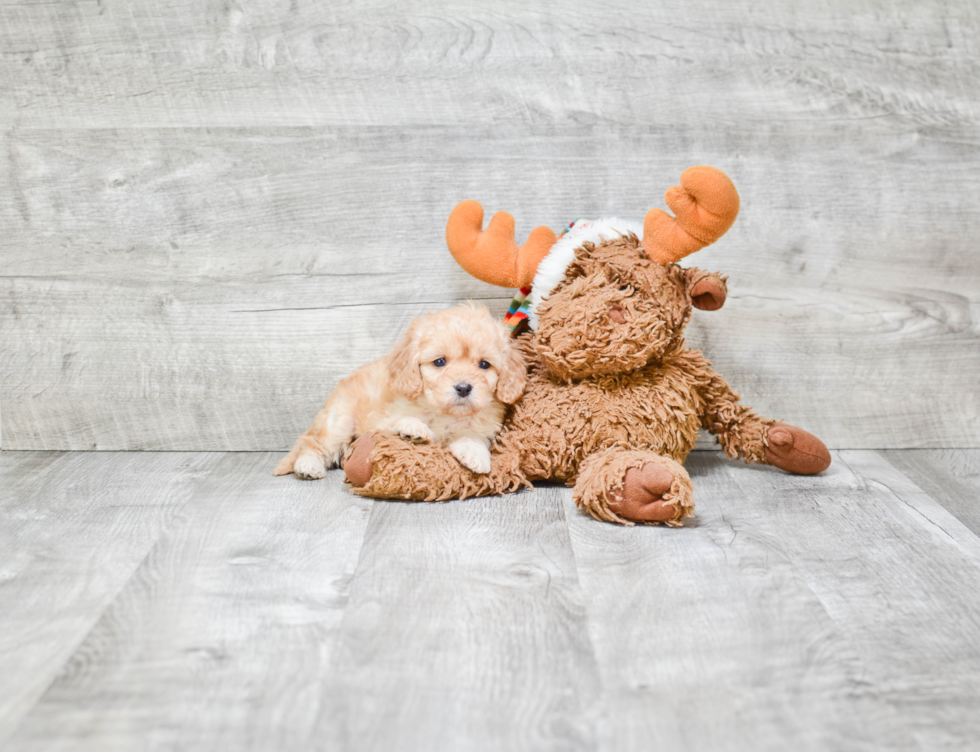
<point>447,382</point>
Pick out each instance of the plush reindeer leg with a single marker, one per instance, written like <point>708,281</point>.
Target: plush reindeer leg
<point>744,434</point>
<point>625,486</point>
<point>384,466</point>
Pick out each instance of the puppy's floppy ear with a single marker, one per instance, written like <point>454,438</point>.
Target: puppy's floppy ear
<point>707,289</point>
<point>403,366</point>
<point>511,375</point>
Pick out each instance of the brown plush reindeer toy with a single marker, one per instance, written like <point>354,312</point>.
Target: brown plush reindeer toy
<point>614,398</point>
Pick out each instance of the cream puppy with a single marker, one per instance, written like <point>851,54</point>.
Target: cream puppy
<point>448,381</point>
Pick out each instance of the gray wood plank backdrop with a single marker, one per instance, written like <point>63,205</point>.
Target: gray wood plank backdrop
<point>210,212</point>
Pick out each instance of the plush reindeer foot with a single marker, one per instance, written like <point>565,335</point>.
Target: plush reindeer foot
<point>795,450</point>
<point>629,486</point>
<point>642,495</point>
<point>359,466</point>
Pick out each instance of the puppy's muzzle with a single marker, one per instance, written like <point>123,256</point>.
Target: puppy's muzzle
<point>463,389</point>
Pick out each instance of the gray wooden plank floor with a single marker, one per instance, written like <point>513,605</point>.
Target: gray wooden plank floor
<point>194,601</point>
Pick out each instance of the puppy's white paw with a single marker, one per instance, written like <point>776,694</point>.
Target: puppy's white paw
<point>309,467</point>
<point>413,429</point>
<point>471,454</point>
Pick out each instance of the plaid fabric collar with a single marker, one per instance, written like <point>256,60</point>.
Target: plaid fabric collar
<point>516,318</point>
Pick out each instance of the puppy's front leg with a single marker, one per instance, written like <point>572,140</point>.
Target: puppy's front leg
<point>472,454</point>
<point>413,429</point>
<point>305,460</point>
<point>309,466</point>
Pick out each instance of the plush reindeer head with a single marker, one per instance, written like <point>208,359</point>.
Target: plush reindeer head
<point>602,300</point>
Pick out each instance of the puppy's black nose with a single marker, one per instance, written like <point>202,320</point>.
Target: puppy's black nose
<point>463,389</point>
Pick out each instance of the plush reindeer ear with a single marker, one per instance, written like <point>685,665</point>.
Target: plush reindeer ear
<point>511,376</point>
<point>403,366</point>
<point>707,289</point>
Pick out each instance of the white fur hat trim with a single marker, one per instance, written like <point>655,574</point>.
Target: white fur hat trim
<point>551,271</point>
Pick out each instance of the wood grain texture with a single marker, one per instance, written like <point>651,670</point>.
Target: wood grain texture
<point>742,63</point>
<point>904,598</point>
<point>950,476</point>
<point>224,319</point>
<point>465,630</point>
<point>712,638</point>
<point>166,601</point>
<point>73,529</point>
<point>213,212</point>
<point>223,635</point>
<point>824,610</point>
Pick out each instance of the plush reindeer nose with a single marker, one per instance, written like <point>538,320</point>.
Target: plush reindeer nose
<point>617,313</point>
<point>463,390</point>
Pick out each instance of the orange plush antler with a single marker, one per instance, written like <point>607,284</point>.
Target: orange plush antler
<point>493,254</point>
<point>706,204</point>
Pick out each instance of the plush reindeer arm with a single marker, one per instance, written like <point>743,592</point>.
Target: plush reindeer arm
<point>744,434</point>
<point>385,466</point>
<point>740,431</point>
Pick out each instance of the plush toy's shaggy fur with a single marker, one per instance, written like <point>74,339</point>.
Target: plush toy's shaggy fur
<point>613,403</point>
<point>614,399</point>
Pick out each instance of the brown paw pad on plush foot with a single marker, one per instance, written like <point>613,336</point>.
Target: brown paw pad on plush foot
<point>795,450</point>
<point>641,497</point>
<point>359,466</point>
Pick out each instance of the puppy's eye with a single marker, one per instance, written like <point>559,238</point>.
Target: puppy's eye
<point>623,288</point>
<point>484,365</point>
<point>439,362</point>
